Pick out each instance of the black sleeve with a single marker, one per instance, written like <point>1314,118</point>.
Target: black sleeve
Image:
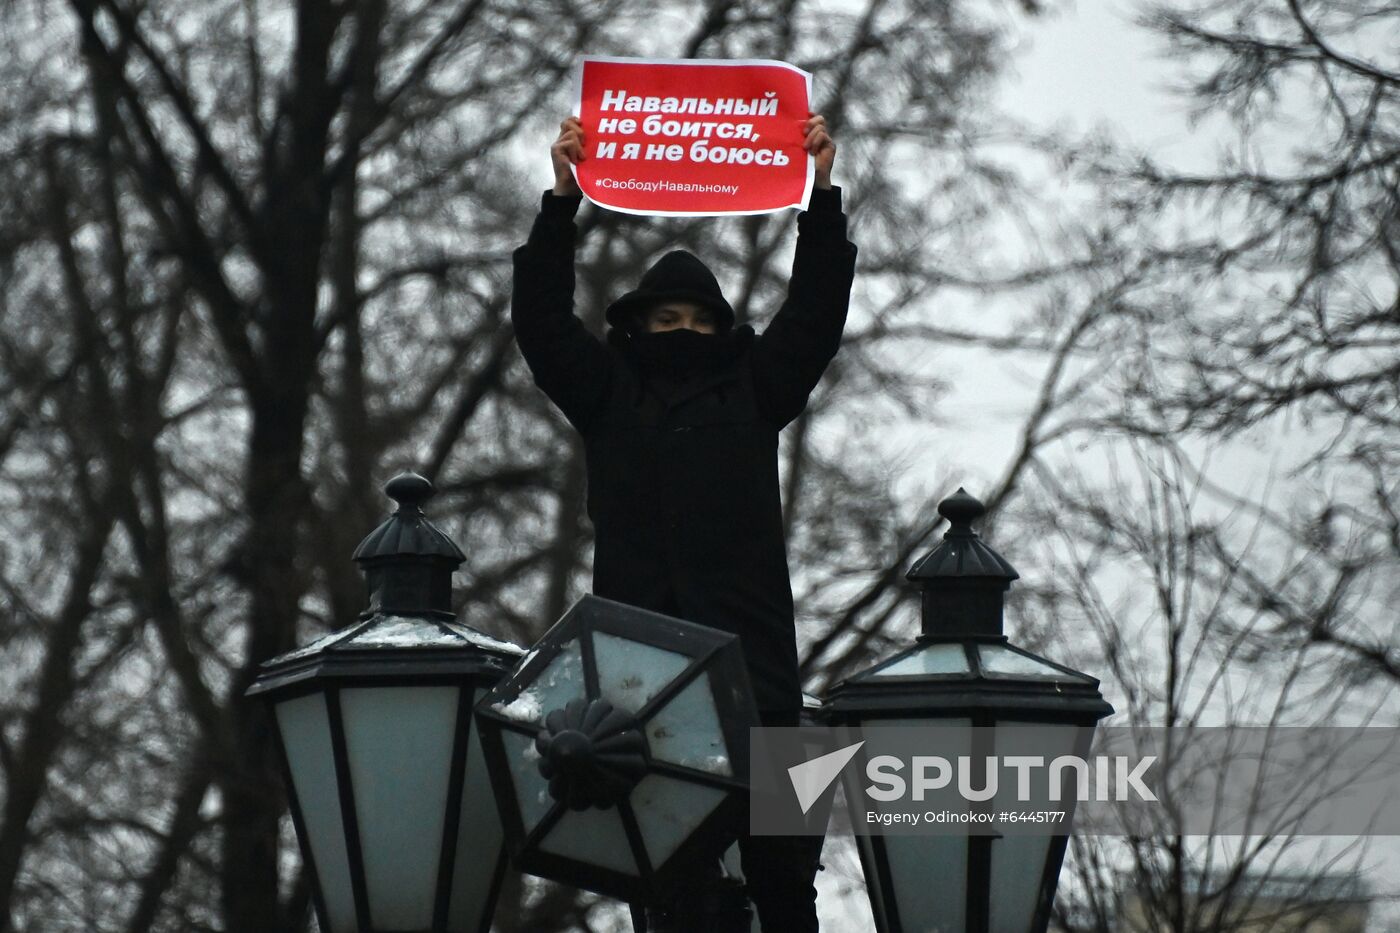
<point>790,356</point>
<point>569,364</point>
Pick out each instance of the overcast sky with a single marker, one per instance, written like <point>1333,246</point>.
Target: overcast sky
<point>1089,66</point>
<point>1082,69</point>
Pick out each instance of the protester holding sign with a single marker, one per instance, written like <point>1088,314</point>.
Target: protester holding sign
<point>680,411</point>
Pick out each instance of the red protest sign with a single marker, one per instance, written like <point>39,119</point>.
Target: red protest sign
<point>693,137</point>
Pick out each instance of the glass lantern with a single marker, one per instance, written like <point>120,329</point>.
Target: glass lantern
<point>385,773</point>
<point>619,750</point>
<point>985,697</point>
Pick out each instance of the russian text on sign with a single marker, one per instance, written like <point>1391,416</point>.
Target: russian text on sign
<point>633,103</point>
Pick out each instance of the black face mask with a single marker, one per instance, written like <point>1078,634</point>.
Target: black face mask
<point>682,353</point>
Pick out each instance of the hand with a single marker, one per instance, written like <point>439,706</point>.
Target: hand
<point>820,144</point>
<point>567,152</point>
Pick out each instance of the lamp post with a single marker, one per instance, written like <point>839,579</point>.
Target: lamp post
<point>388,788</point>
<point>618,750</point>
<point>964,676</point>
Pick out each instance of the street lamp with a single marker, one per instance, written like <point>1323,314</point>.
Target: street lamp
<point>619,750</point>
<point>966,678</point>
<point>389,793</point>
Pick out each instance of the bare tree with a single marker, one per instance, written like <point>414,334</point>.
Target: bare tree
<point>1274,302</point>
<point>1132,562</point>
<point>253,260</point>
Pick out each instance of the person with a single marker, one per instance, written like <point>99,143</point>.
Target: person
<point>679,411</point>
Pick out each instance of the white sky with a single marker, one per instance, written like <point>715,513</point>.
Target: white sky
<point>1085,69</point>
<point>1082,69</point>
<point>1088,67</point>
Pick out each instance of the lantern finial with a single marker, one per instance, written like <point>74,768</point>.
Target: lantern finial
<point>961,510</point>
<point>964,580</point>
<point>410,491</point>
<point>407,561</point>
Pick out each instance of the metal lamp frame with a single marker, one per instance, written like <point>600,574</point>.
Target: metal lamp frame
<point>712,652</point>
<point>985,699</point>
<point>469,670</point>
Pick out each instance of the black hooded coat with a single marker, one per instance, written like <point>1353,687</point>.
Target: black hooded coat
<point>683,472</point>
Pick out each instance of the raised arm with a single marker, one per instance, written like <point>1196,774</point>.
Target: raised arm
<point>791,355</point>
<point>569,364</point>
